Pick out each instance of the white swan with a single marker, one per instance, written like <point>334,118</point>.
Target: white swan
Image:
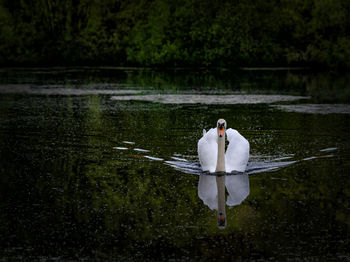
<point>212,157</point>
<point>211,150</point>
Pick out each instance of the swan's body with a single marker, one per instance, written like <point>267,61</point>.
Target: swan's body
<point>212,157</point>
<point>237,153</point>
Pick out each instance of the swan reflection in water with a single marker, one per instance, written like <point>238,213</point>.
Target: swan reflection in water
<point>211,190</point>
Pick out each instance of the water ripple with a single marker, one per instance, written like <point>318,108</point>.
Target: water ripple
<point>256,165</point>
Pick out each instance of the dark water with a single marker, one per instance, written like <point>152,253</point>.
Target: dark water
<point>84,176</point>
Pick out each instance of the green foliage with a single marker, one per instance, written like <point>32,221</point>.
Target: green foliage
<point>176,33</point>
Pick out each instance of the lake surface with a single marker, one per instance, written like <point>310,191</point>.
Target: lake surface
<point>101,163</point>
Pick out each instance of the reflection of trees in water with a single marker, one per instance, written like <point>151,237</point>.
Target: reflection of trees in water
<point>322,87</point>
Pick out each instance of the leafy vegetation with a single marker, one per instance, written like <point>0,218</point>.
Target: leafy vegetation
<point>176,33</point>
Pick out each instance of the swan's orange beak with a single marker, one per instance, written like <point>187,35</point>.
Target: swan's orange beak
<point>221,131</point>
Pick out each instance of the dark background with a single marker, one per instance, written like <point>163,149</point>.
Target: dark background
<point>312,33</point>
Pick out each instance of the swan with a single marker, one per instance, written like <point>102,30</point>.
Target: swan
<point>211,150</point>
<point>212,158</point>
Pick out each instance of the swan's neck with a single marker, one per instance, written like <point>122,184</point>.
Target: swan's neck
<point>220,181</point>
<point>220,164</point>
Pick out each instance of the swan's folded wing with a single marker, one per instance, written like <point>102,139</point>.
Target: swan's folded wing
<point>238,189</point>
<point>208,191</point>
<point>237,153</point>
<point>208,150</point>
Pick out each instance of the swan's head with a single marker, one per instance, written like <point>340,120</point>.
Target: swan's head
<point>221,127</point>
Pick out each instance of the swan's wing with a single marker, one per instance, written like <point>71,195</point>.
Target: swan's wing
<point>237,153</point>
<point>238,189</point>
<point>208,150</point>
<point>208,191</point>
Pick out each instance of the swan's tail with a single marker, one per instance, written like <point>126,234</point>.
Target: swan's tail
<point>204,132</point>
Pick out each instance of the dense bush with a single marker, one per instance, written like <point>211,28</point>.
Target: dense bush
<point>175,33</point>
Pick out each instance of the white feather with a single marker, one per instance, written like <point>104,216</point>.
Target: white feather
<point>237,153</point>
<point>208,150</point>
